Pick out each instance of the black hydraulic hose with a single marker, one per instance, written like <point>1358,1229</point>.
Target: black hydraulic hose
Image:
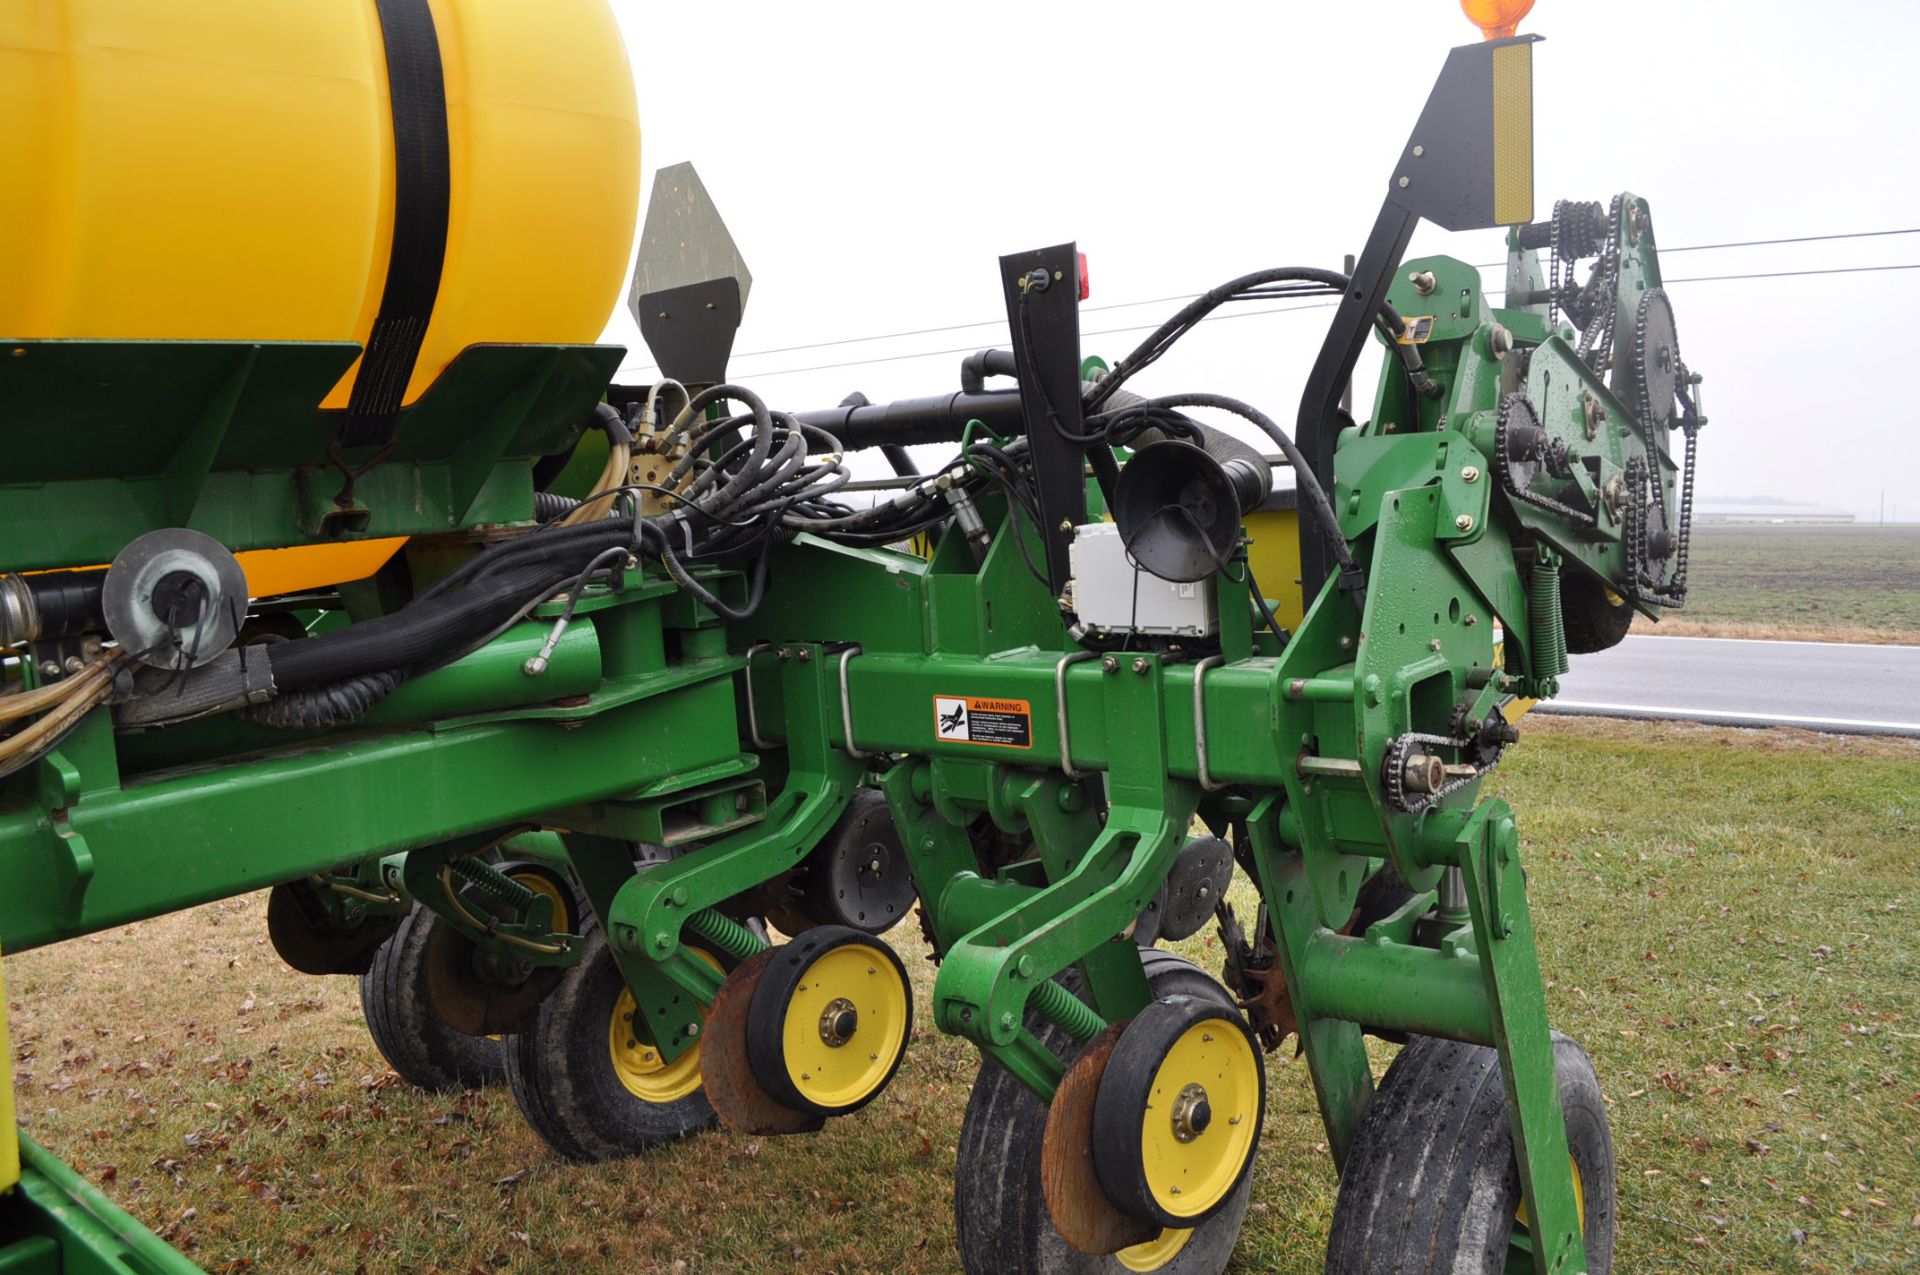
<point>1245,287</point>
<point>321,707</point>
<point>430,626</point>
<point>548,506</point>
<point>978,366</point>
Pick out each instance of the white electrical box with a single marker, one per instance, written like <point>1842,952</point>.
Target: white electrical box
<point>1111,594</point>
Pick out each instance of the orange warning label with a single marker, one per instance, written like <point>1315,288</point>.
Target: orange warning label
<point>970,719</point>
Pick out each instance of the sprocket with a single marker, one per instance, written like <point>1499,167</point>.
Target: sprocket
<point>1653,364</point>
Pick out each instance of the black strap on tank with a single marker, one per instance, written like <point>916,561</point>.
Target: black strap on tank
<point>421,185</point>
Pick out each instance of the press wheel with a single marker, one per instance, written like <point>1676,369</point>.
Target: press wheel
<point>829,1021</point>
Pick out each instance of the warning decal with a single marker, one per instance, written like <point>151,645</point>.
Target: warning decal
<point>967,719</point>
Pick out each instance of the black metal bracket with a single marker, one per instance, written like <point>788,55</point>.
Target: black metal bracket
<point>689,330</point>
<point>1042,290</point>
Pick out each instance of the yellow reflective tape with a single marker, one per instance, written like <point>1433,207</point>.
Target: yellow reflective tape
<point>1513,134</point>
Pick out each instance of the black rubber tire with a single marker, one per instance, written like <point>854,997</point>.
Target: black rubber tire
<point>1431,1186</point>
<point>410,1035</point>
<point>1383,894</point>
<point>563,1079</point>
<point>1593,623</point>
<point>1000,1216</point>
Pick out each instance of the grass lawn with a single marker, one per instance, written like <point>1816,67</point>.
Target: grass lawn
<point>1727,924</point>
<point>1845,584</point>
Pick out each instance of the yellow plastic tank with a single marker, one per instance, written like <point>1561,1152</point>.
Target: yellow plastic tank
<point>224,169</point>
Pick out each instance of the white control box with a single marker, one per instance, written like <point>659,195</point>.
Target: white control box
<point>1111,594</point>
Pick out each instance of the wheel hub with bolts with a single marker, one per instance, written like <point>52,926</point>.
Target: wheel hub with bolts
<point>838,1022</point>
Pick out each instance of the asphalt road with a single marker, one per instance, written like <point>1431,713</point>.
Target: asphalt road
<point>1827,686</point>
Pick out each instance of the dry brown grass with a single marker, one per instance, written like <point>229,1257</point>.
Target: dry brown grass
<point>1771,631</point>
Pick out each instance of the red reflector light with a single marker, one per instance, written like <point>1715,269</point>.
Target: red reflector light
<point>1086,285</point>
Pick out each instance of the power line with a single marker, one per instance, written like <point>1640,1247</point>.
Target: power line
<point>1188,296</point>
<point>1249,314</point>
<point>1753,243</point>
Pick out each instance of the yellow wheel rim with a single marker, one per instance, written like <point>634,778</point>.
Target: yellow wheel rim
<point>547,888</point>
<point>832,1070</point>
<point>1579,1198</point>
<point>638,1064</point>
<point>1156,1252</point>
<point>1201,1118</point>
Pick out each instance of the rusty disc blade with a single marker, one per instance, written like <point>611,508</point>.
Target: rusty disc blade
<point>730,1087</point>
<point>469,1002</point>
<point>1081,1211</point>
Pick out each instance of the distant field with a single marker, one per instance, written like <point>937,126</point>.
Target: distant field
<point>1726,921</point>
<point>1837,584</point>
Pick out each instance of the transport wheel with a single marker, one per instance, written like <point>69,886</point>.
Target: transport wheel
<point>829,1022</point>
<point>589,1086</point>
<point>1595,617</point>
<point>409,1033</point>
<point>1431,1186</point>
<point>1000,1213</point>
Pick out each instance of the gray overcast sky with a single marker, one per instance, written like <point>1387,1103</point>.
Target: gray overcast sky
<point>873,160</point>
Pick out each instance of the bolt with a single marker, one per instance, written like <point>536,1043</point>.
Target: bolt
<point>1501,340</point>
<point>1464,522</point>
<point>1109,665</point>
<point>50,668</point>
<point>693,1029</point>
<point>1024,968</point>
<point>806,655</point>
<point>74,664</point>
<point>1422,281</point>
<point>783,653</point>
<point>1140,664</point>
<point>1404,183</point>
<point>1346,643</point>
<point>1006,1019</point>
<point>1418,151</point>
<point>1472,620</point>
<point>1066,524</point>
<point>1434,645</point>
<point>1470,473</point>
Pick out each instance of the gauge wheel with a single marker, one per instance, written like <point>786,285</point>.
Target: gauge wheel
<point>409,1033</point>
<point>590,1086</point>
<point>1000,1213</point>
<point>1431,1186</point>
<point>830,1021</point>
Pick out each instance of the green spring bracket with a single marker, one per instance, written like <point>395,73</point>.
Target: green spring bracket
<point>725,933</point>
<point>1061,1006</point>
